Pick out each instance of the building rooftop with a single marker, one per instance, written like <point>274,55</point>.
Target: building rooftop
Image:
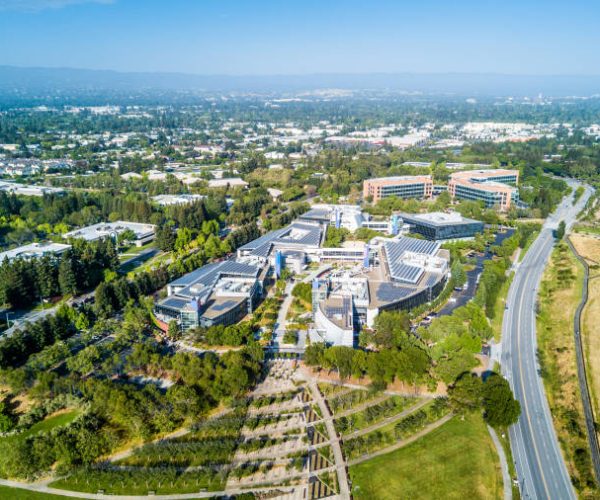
<point>438,218</point>
<point>296,235</point>
<point>34,250</point>
<point>104,229</point>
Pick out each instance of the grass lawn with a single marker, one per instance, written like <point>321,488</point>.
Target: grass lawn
<point>496,322</point>
<point>57,420</point>
<point>19,494</point>
<point>457,460</point>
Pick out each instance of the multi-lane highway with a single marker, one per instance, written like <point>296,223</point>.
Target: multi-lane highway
<point>539,463</point>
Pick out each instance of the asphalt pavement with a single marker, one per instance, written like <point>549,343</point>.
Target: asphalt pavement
<point>540,467</point>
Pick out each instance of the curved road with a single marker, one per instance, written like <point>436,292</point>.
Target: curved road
<point>538,460</point>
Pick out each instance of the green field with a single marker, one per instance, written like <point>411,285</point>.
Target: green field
<point>19,494</point>
<point>457,460</point>
<point>51,422</point>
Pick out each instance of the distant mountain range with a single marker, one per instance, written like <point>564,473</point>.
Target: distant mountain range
<point>68,79</point>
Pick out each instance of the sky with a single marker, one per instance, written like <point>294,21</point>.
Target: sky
<point>268,37</point>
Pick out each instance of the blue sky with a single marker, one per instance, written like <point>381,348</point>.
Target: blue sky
<point>245,37</point>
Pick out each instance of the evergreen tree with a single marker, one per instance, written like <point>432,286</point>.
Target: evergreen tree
<point>66,275</point>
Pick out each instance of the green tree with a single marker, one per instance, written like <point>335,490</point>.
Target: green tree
<point>560,231</point>
<point>466,394</point>
<point>500,407</point>
<point>66,275</point>
<point>173,332</point>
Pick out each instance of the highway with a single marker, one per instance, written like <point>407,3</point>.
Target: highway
<point>540,467</point>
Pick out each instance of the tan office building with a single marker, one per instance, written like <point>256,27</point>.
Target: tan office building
<point>405,186</point>
<point>496,188</point>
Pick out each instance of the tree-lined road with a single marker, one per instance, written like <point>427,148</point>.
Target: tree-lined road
<point>540,467</point>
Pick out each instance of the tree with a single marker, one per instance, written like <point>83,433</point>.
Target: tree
<point>314,354</point>
<point>465,395</point>
<point>126,236</point>
<point>500,407</point>
<point>165,238</point>
<point>458,273</point>
<point>391,329</point>
<point>173,332</point>
<point>66,275</point>
<point>6,422</point>
<point>560,231</point>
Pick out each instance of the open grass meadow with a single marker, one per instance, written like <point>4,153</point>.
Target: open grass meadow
<point>455,461</point>
<point>19,494</point>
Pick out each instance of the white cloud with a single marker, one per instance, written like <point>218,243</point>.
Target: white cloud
<point>38,5</point>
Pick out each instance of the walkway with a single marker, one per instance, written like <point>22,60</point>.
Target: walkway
<point>340,463</point>
<point>506,480</point>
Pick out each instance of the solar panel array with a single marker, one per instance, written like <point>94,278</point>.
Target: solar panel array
<point>228,304</point>
<point>388,292</point>
<point>406,272</point>
<point>396,248</point>
<point>208,275</point>
<point>261,247</point>
<point>317,213</point>
<point>432,279</point>
<point>345,311</point>
<point>395,251</point>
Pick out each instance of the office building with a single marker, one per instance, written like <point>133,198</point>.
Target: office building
<point>496,188</point>
<point>35,250</point>
<point>404,186</point>
<point>442,226</point>
<point>144,233</point>
<point>220,293</point>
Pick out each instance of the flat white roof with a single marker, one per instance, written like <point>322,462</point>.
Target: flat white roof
<point>104,229</point>
<point>34,250</point>
<point>232,181</point>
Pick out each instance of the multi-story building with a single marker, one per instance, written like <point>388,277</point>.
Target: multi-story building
<point>442,226</point>
<point>396,274</point>
<point>349,217</point>
<point>221,293</point>
<point>496,188</point>
<point>404,186</point>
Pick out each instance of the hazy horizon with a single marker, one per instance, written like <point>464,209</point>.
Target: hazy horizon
<point>269,37</point>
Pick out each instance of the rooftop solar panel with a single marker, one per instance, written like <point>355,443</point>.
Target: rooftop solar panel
<point>388,292</point>
<point>224,305</point>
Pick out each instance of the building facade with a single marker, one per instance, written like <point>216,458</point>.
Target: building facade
<point>442,226</point>
<point>405,186</point>
<point>496,188</point>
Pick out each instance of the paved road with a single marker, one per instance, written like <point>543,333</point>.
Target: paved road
<point>539,463</point>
